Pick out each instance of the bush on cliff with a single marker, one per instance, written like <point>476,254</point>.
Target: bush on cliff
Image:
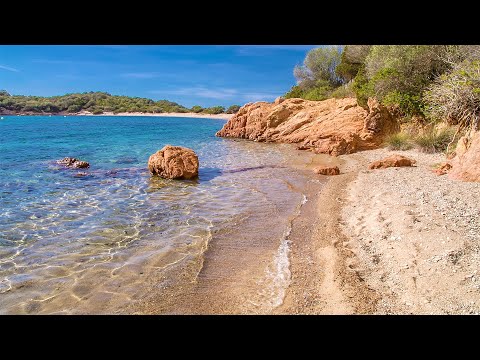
<point>455,97</point>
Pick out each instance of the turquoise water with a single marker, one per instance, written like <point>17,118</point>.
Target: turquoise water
<point>69,239</point>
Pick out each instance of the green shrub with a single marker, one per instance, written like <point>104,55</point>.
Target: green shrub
<point>399,141</point>
<point>317,94</point>
<point>362,87</point>
<point>399,74</point>
<point>295,92</point>
<point>233,109</point>
<point>214,110</point>
<point>352,60</point>
<point>455,97</point>
<point>344,91</point>
<point>433,141</point>
<point>196,109</point>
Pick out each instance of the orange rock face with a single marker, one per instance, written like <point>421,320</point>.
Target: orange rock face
<point>174,162</point>
<point>333,126</point>
<point>466,164</point>
<point>327,170</point>
<point>392,161</point>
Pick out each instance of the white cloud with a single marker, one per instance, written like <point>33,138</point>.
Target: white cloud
<point>219,93</point>
<point>260,96</point>
<point>201,91</point>
<point>8,68</point>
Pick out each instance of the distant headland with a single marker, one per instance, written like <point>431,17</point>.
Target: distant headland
<point>102,103</point>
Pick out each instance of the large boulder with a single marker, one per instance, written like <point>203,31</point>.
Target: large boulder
<point>174,162</point>
<point>392,161</point>
<point>333,126</point>
<point>466,164</point>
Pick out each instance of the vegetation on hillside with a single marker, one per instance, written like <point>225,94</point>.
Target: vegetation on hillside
<point>430,82</point>
<point>97,103</point>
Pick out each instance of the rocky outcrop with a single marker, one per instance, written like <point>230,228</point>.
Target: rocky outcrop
<point>333,126</point>
<point>73,163</point>
<point>392,161</point>
<point>327,170</point>
<point>466,163</point>
<point>174,162</point>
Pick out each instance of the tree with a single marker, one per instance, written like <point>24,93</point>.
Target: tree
<point>197,109</point>
<point>352,59</point>
<point>4,93</point>
<point>214,110</point>
<point>319,64</point>
<point>398,74</point>
<point>233,109</point>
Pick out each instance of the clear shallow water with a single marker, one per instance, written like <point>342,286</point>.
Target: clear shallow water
<point>89,243</point>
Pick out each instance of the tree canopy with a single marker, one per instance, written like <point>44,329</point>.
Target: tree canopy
<point>94,102</point>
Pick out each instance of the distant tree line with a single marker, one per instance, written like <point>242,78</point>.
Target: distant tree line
<point>96,103</point>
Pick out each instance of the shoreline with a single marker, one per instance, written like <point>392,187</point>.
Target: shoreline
<point>225,117</point>
<point>189,115</point>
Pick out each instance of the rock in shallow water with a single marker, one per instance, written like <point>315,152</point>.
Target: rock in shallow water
<point>174,162</point>
<point>73,163</point>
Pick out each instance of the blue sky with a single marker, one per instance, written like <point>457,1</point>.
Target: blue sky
<point>190,75</point>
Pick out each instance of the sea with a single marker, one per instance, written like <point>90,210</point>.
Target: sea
<point>114,239</point>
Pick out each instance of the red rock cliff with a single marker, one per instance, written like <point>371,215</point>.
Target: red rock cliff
<point>466,164</point>
<point>333,126</point>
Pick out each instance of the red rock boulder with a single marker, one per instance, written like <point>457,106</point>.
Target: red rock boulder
<point>327,170</point>
<point>174,162</point>
<point>392,161</point>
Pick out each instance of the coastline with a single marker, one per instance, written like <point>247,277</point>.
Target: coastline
<point>190,115</point>
<point>224,117</point>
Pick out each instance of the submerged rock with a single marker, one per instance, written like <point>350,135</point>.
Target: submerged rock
<point>333,126</point>
<point>327,170</point>
<point>392,161</point>
<point>466,164</point>
<point>174,162</point>
<point>73,163</point>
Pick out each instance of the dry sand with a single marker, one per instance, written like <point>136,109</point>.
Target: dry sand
<point>192,115</point>
<point>389,241</point>
<point>416,237</point>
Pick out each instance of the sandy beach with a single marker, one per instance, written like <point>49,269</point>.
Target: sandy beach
<point>391,241</point>
<point>190,114</point>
